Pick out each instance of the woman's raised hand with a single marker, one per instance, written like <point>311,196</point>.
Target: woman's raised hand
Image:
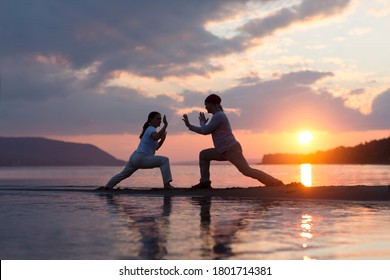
<point>165,121</point>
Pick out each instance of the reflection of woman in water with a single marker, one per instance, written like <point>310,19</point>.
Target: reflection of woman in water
<point>144,157</point>
<point>149,221</point>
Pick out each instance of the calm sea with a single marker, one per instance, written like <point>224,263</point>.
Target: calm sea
<point>37,223</point>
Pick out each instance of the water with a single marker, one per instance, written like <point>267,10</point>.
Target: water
<point>224,175</point>
<point>42,224</point>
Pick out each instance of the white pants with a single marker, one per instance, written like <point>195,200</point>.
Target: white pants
<point>142,161</point>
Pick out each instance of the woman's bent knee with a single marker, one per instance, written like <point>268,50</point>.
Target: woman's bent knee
<point>165,159</point>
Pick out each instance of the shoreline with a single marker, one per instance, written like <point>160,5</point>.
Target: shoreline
<point>347,193</point>
<point>354,193</point>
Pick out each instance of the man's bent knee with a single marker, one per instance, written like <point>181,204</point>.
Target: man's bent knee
<point>203,154</point>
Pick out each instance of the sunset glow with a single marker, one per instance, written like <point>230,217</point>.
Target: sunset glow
<point>305,137</point>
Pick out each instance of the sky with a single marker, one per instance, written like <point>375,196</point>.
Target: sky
<point>90,71</point>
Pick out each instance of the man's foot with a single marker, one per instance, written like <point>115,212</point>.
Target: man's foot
<point>168,186</point>
<point>295,184</point>
<point>202,185</point>
<point>276,183</point>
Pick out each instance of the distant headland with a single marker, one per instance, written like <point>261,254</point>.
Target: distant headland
<point>373,152</point>
<point>29,151</point>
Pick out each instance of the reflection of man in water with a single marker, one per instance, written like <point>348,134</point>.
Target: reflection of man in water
<point>219,232</point>
<point>152,225</point>
<point>222,232</point>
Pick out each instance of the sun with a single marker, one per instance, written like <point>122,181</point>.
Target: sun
<point>305,137</point>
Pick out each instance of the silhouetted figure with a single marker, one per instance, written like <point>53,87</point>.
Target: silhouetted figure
<point>144,157</point>
<point>226,147</point>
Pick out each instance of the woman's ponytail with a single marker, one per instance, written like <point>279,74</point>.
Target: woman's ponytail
<point>147,123</point>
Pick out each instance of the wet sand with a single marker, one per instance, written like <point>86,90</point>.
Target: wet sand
<point>351,193</point>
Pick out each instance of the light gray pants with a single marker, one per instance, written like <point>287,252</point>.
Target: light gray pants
<point>235,156</point>
<point>142,161</point>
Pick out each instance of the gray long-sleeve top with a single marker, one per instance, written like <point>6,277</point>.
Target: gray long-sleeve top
<point>219,127</point>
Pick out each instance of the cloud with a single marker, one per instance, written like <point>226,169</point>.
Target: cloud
<point>251,78</point>
<point>381,8</point>
<point>358,91</point>
<point>35,79</point>
<point>290,103</point>
<point>118,110</point>
<point>154,38</point>
<point>380,115</point>
<point>359,31</point>
<point>285,17</point>
<point>157,38</point>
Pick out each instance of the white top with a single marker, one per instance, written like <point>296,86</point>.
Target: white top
<point>219,127</point>
<point>148,145</point>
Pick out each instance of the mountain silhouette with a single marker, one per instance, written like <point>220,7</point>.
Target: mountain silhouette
<point>373,152</point>
<point>30,151</point>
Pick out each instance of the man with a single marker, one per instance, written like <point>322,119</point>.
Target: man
<point>226,147</point>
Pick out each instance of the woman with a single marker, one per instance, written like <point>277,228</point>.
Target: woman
<point>227,148</point>
<point>143,157</point>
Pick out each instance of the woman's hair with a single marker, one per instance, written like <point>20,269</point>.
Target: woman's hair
<point>147,123</point>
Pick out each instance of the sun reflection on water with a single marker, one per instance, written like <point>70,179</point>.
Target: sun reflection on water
<point>306,177</point>
<point>306,226</point>
<point>306,233</point>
